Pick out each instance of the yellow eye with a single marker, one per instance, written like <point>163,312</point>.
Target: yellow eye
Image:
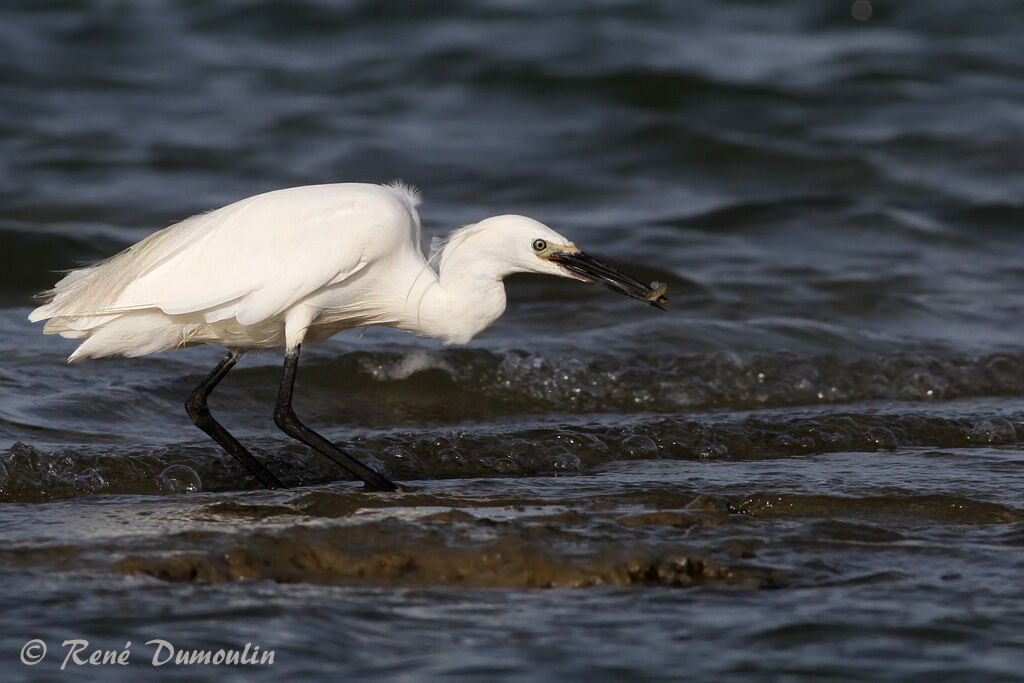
<point>539,245</point>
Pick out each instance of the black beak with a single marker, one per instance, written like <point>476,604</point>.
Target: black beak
<point>595,271</point>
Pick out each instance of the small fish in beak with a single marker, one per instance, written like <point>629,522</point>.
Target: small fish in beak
<point>593,270</point>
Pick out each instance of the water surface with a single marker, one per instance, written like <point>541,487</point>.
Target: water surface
<point>808,468</point>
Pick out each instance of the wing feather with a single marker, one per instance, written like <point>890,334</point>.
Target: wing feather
<point>250,260</point>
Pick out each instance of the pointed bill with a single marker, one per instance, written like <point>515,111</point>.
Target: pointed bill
<point>591,269</point>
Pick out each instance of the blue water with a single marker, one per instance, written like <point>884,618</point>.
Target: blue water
<point>808,468</point>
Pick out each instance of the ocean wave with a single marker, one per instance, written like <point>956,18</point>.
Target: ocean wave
<point>549,446</point>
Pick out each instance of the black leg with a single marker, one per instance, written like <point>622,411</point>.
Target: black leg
<point>197,409</point>
<point>286,419</point>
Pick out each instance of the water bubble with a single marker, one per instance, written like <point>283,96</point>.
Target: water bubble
<point>89,479</point>
<point>640,446</point>
<point>565,462</point>
<point>179,479</point>
<point>882,438</point>
<point>997,430</point>
<point>861,10</point>
<point>451,458</point>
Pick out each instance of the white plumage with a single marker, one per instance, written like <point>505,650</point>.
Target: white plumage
<point>292,265</point>
<point>298,265</point>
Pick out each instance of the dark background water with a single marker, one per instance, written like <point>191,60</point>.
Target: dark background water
<point>808,468</point>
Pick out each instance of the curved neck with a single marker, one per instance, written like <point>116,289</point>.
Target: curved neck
<point>459,302</point>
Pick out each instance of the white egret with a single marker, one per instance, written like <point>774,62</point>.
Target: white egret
<point>299,265</point>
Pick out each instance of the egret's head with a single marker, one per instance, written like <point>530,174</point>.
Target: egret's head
<point>521,244</point>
